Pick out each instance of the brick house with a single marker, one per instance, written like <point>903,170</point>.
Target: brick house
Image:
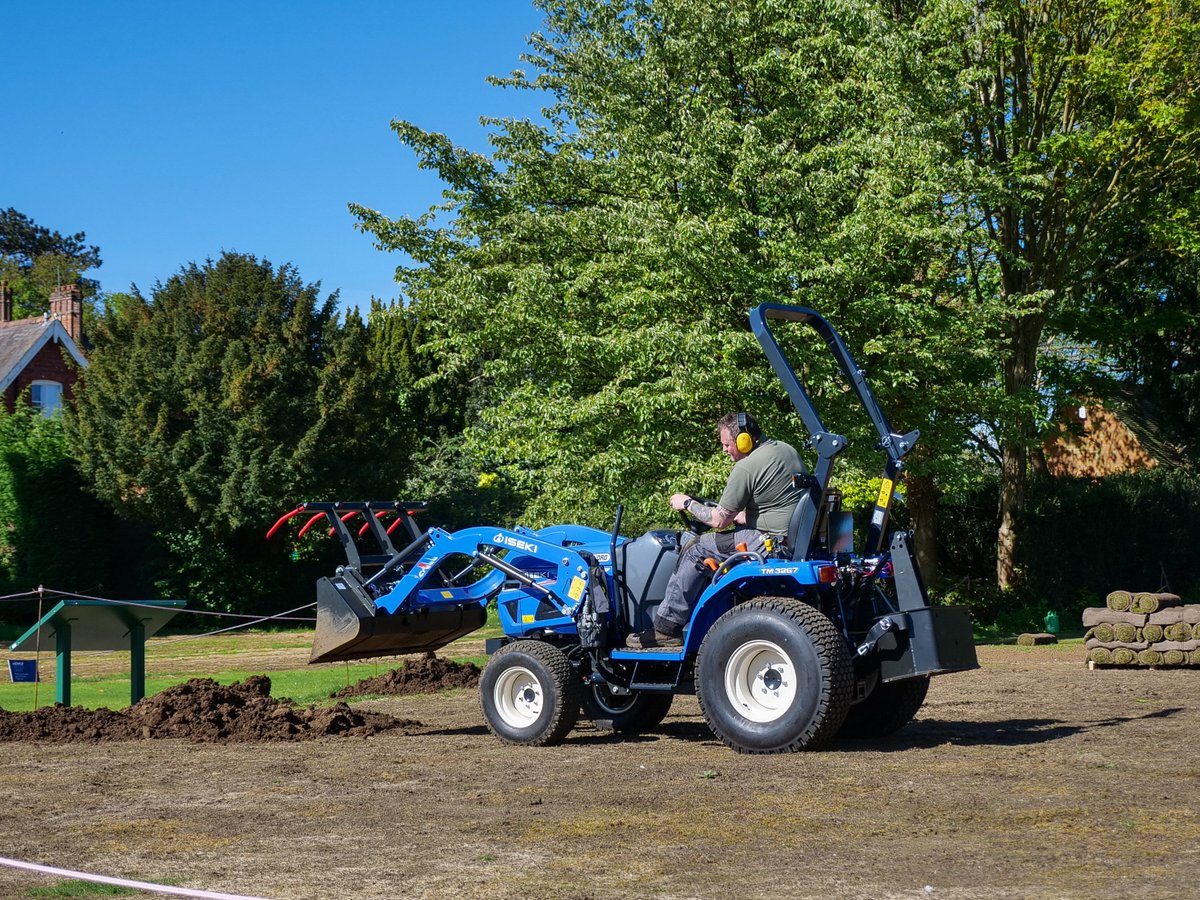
<point>41,354</point>
<point>1119,435</point>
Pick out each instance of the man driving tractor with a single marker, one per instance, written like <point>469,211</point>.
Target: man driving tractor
<point>760,496</point>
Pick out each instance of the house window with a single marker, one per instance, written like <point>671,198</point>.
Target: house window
<point>46,396</point>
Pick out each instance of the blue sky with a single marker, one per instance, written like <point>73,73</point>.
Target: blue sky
<point>171,132</point>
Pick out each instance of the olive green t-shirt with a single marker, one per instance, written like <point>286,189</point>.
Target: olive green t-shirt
<point>761,485</point>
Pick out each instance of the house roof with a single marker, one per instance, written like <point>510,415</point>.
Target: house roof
<point>1121,434</point>
<point>1141,417</point>
<point>21,340</point>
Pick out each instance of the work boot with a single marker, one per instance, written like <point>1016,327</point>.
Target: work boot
<point>652,639</point>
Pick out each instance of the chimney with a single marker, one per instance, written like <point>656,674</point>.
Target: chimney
<point>66,305</point>
<point>5,302</point>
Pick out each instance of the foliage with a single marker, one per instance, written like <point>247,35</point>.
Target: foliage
<point>34,260</point>
<point>200,405</point>
<point>1080,124</point>
<point>1134,532</point>
<point>54,533</point>
<point>595,273</point>
<point>1080,539</point>
<point>459,496</point>
<point>428,402</point>
<point>229,396</point>
<point>23,241</point>
<point>966,528</point>
<point>1151,342</point>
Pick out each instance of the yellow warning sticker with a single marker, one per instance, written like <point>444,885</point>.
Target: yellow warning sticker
<point>447,595</point>
<point>885,493</point>
<point>525,620</point>
<point>576,589</point>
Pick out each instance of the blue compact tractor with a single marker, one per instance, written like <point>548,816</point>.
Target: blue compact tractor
<point>786,650</point>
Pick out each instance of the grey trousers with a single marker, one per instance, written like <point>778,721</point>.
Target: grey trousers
<point>692,575</point>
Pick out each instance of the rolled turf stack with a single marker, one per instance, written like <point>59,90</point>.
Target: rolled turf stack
<point>1143,628</point>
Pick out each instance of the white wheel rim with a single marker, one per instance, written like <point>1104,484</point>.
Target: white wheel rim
<point>760,681</point>
<point>519,697</point>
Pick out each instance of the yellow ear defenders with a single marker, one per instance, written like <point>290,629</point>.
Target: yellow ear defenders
<point>744,440</point>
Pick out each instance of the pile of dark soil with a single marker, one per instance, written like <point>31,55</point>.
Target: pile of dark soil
<point>417,676</point>
<point>200,711</point>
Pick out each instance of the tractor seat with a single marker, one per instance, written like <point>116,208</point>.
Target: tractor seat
<point>804,482</point>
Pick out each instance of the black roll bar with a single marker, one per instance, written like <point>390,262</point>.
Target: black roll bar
<point>826,444</point>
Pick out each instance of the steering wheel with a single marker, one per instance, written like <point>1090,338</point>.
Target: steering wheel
<point>695,525</point>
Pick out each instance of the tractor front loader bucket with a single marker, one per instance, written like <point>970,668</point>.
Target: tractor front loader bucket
<point>349,624</point>
<point>350,627</point>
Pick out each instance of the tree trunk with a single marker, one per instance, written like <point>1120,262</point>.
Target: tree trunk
<point>1019,370</point>
<point>1012,499</point>
<point>922,506</point>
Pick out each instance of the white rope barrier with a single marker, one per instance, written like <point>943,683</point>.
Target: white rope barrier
<point>191,637</point>
<point>150,604</point>
<point>284,616</point>
<point>123,882</point>
<point>195,612</point>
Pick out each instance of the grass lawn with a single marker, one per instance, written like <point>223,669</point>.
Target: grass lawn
<point>173,660</point>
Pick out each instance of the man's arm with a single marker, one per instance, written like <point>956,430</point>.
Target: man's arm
<point>712,516</point>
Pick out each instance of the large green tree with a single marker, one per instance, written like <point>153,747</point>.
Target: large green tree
<point>953,183</point>
<point>34,259</point>
<point>1080,157</point>
<point>592,275</point>
<point>229,395</point>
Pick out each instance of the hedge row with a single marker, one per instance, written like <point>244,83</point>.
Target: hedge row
<point>1078,540</point>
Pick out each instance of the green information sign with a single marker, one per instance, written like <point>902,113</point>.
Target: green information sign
<point>79,624</point>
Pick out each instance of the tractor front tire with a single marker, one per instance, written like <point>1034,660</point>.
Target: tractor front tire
<point>774,675</point>
<point>886,709</point>
<point>529,694</point>
<point>634,713</point>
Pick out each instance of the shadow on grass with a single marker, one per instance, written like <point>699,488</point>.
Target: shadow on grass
<point>924,733</point>
<point>920,734</point>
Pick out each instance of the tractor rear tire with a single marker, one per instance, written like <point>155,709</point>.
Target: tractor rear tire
<point>774,675</point>
<point>529,694</point>
<point>634,713</point>
<point>886,709</point>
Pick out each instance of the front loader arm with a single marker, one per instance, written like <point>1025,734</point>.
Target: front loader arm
<point>557,573</point>
<point>436,589</point>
